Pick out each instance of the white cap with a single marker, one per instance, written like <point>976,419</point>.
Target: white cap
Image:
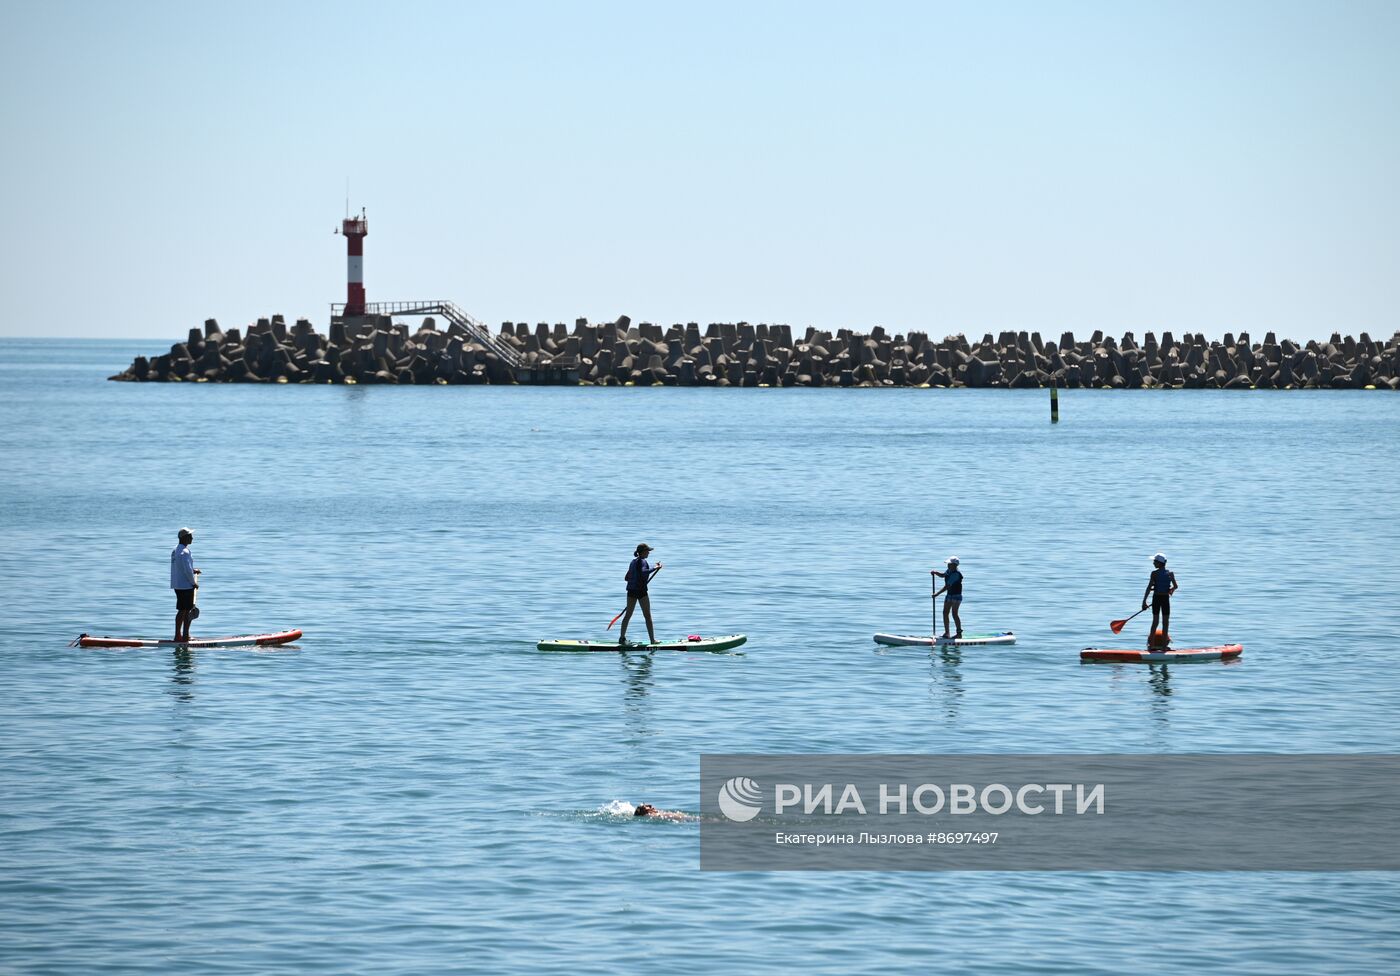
<point>952,560</point>
<point>1160,559</point>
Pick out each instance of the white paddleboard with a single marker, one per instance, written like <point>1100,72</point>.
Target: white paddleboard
<point>966,640</point>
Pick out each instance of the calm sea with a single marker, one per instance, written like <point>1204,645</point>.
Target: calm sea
<point>414,788</point>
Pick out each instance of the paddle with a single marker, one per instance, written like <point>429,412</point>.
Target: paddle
<point>1117,625</point>
<point>194,610</point>
<point>933,619</point>
<point>650,577</point>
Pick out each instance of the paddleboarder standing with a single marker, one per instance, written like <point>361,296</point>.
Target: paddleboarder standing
<point>1161,584</point>
<point>639,574</point>
<point>184,582</point>
<point>952,586</point>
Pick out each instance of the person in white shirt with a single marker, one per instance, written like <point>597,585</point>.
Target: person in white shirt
<point>184,581</point>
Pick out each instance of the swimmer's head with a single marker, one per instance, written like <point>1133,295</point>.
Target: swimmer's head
<point>644,810</point>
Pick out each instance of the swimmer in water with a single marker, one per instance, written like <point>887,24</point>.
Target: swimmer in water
<point>647,810</point>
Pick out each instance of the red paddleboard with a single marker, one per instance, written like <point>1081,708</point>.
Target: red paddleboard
<point>281,637</point>
<point>1222,652</point>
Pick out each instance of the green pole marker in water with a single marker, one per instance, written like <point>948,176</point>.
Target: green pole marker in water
<point>1054,404</point>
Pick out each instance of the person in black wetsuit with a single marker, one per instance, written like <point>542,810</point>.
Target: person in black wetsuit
<point>1161,584</point>
<point>639,574</point>
<point>953,581</point>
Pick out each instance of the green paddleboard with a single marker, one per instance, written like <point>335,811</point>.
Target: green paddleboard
<point>683,644</point>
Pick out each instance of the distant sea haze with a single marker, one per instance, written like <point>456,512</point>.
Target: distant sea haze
<point>454,349</point>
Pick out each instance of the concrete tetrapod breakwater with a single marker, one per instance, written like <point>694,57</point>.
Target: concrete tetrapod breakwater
<point>378,350</point>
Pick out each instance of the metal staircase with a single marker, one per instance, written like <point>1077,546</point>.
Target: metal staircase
<point>478,332</point>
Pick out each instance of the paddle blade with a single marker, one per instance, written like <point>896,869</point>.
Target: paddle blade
<point>1117,626</point>
<point>614,619</point>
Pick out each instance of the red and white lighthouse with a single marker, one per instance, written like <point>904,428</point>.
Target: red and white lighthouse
<point>355,230</point>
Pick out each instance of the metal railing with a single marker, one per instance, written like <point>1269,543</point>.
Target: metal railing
<point>476,330</point>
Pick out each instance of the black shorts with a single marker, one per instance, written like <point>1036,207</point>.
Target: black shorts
<point>634,595</point>
<point>1161,601</point>
<point>184,600</point>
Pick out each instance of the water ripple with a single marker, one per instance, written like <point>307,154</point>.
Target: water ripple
<point>413,788</point>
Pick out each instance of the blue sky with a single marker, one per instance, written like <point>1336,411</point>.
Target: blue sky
<point>943,166</point>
